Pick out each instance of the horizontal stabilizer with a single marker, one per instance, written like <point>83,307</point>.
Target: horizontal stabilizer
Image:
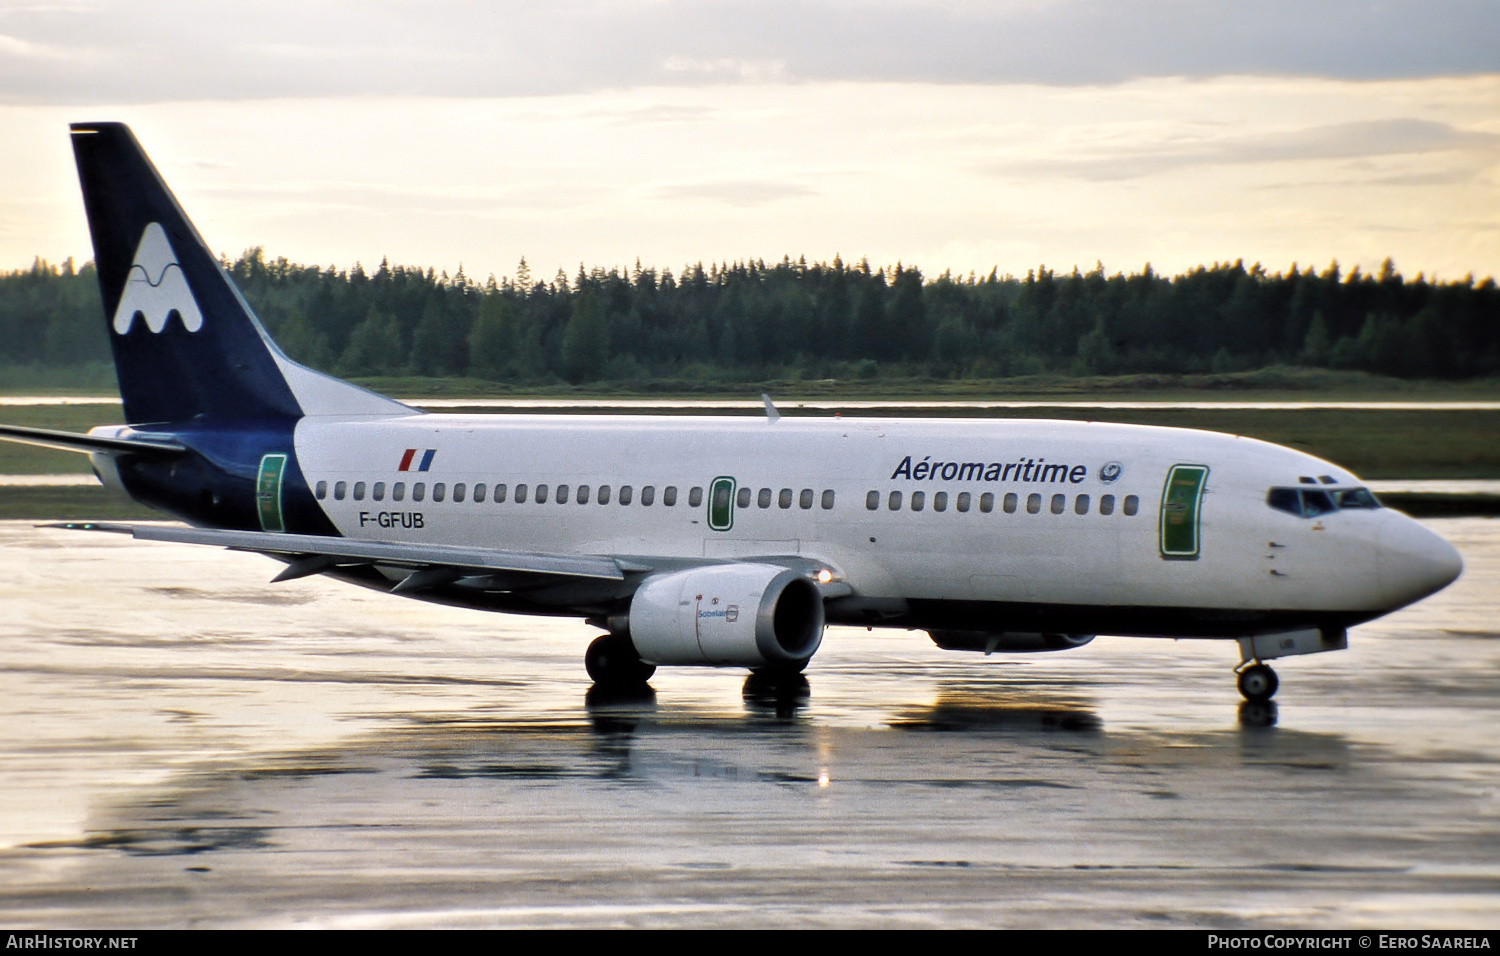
<point>70,441</point>
<point>469,561</point>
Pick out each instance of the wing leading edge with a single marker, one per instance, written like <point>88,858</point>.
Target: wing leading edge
<point>430,564</point>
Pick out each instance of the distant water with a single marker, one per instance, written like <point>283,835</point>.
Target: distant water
<point>835,404</point>
<point>829,404</point>
<point>47,481</point>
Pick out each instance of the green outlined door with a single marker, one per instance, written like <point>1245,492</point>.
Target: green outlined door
<point>268,492</point>
<point>721,504</point>
<point>1181,504</point>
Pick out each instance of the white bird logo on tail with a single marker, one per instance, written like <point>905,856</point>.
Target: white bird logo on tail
<point>156,286</point>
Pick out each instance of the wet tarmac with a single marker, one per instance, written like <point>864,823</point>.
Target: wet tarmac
<point>183,744</point>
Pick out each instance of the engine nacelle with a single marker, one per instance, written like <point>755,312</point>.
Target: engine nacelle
<point>1011,642</point>
<point>749,615</point>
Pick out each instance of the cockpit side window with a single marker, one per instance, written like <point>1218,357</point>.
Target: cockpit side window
<point>1356,498</point>
<point>1285,499</point>
<point>1311,502</point>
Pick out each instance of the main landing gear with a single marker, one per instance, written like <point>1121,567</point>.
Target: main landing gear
<point>1258,682</point>
<point>612,662</point>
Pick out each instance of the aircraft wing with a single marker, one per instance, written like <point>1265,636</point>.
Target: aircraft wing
<point>70,441</point>
<point>431,564</point>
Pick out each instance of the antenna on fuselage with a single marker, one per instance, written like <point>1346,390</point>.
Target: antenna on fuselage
<point>772,415</point>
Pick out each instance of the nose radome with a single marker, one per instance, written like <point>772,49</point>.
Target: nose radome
<point>1413,562</point>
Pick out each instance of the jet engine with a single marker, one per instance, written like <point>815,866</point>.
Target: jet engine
<point>1011,642</point>
<point>750,615</point>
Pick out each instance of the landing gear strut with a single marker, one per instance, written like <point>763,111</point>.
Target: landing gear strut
<point>1258,683</point>
<point>612,662</point>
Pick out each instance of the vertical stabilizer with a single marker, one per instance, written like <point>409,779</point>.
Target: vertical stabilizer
<point>186,345</point>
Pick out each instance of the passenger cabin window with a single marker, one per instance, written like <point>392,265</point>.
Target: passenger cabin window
<point>378,492</point>
<point>894,501</point>
<point>1059,504</point>
<point>479,491</point>
<point>603,498</point>
<point>669,496</point>
<point>1011,500</point>
<point>805,499</point>
<point>562,494</point>
<point>583,495</point>
<point>1106,504</point>
<point>458,492</point>
<point>322,490</point>
<point>439,491</point>
<point>987,502</point>
<point>963,501</point>
<point>541,494</point>
<point>1081,505</point>
<point>359,491</point>
<point>398,491</point>
<point>626,494</point>
<point>784,500</point>
<point>648,496</point>
<point>918,499</point>
<point>940,501</point>
<point>764,498</point>
<point>695,497</point>
<point>500,492</point>
<point>872,499</point>
<point>339,490</point>
<point>743,497</point>
<point>520,494</point>
<point>418,491</point>
<point>828,500</point>
<point>1033,504</point>
<point>1132,505</point>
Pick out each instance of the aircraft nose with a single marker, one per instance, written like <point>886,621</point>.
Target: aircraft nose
<point>1413,562</point>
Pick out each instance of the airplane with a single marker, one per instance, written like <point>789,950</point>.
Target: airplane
<point>712,541</point>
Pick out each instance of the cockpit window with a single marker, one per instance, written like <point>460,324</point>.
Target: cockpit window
<point>1356,498</point>
<point>1285,499</point>
<point>1316,503</point>
<point>1312,502</point>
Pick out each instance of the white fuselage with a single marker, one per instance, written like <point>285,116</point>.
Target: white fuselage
<point>1057,548</point>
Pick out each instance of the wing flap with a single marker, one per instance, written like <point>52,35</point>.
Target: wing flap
<point>304,547</point>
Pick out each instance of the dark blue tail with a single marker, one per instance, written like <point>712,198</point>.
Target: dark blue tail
<point>187,348</point>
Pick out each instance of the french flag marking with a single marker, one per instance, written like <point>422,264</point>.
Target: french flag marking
<point>411,453</point>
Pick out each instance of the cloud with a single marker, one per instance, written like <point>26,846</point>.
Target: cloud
<point>173,50</point>
<point>1355,140</point>
<point>737,193</point>
<point>24,49</point>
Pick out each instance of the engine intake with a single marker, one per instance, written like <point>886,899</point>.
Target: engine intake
<point>1013,642</point>
<point>749,615</point>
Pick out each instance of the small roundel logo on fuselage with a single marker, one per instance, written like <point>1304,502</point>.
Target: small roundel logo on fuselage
<point>1110,471</point>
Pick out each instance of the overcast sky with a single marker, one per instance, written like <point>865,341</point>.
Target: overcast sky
<point>955,135</point>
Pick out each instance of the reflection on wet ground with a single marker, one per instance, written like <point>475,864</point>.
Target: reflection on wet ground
<point>184,746</point>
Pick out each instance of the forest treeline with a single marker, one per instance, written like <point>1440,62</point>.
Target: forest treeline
<point>751,321</point>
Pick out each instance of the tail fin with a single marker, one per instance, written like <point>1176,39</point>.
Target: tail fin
<point>186,344</point>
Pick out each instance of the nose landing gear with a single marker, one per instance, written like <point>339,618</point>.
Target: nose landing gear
<point>1258,682</point>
